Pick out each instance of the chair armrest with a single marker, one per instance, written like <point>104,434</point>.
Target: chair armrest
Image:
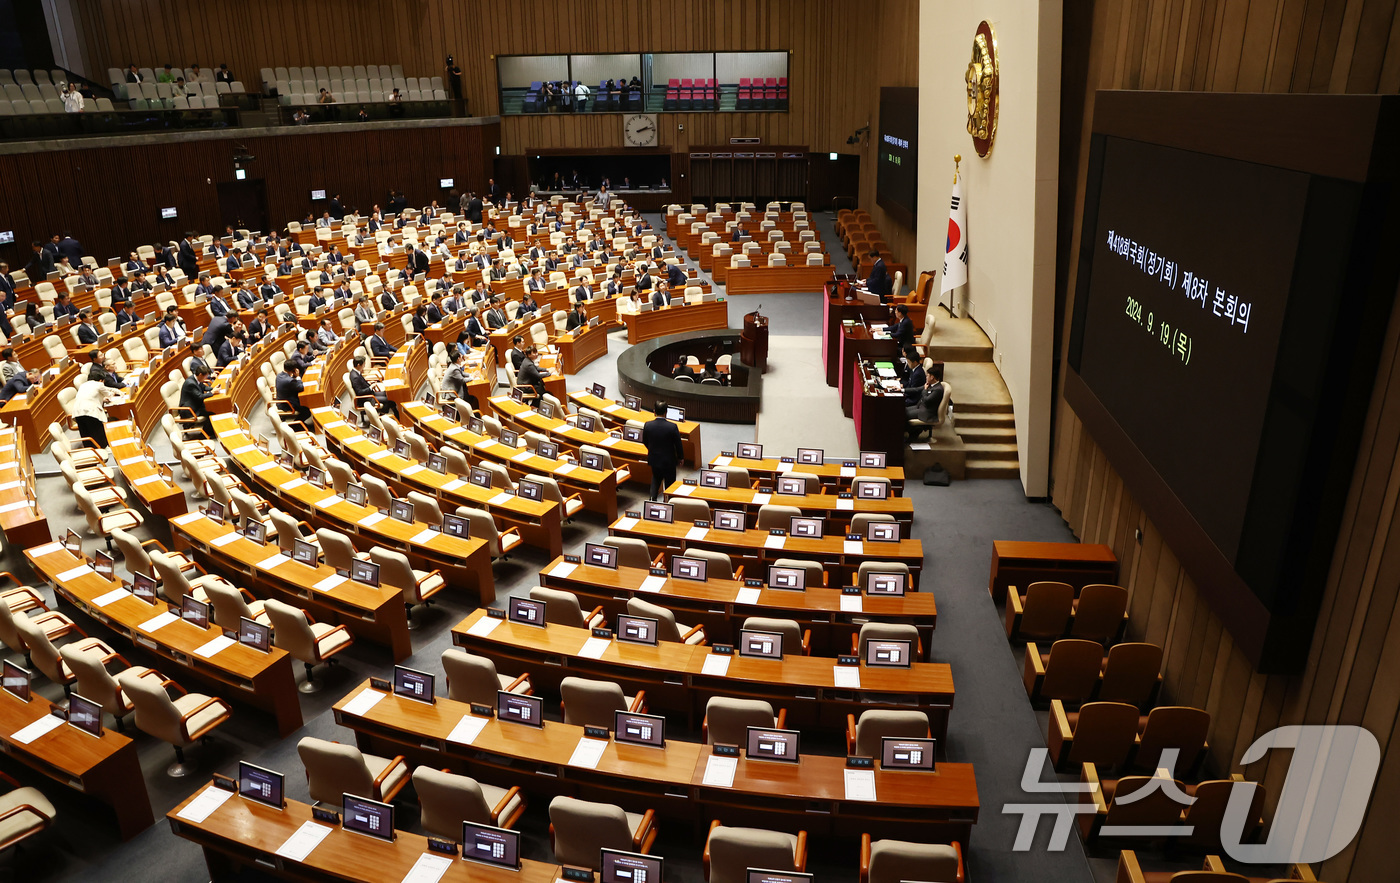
<point>166,683</point>
<point>851,737</point>
<point>1061,737</point>
<point>578,497</point>
<point>596,611</point>
<point>212,700</point>
<point>1014,610</point>
<point>384,774</point>
<point>339,628</point>
<point>1129,871</point>
<point>864,856</point>
<point>705,856</point>
<point>646,832</point>
<point>11,577</point>
<point>511,530</point>
<point>700,629</point>
<point>40,819</point>
<point>523,679</point>
<point>739,574</point>
<point>1090,776</point>
<point>639,703</point>
<point>1303,872</point>
<point>799,853</point>
<point>962,866</point>
<point>807,642</point>
<point>1034,671</point>
<point>782,718</point>
<point>1214,864</point>
<point>24,598</point>
<point>499,808</point>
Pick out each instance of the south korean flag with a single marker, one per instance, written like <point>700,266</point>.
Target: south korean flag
<point>955,256</point>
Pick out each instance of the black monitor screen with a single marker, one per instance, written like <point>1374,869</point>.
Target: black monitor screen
<point>479,477</point>
<point>772,744</point>
<point>401,448</point>
<point>143,586</point>
<point>639,729</point>
<point>255,530</point>
<point>254,634</point>
<point>194,612</point>
<point>748,451</point>
<point>456,526</point>
<point>587,423</point>
<point>805,527</point>
<point>897,162</point>
<point>401,510</point>
<point>762,645</point>
<point>714,478</point>
<point>599,555</point>
<point>884,583</point>
<point>872,459</point>
<point>366,572</point>
<point>811,456</point>
<point>316,476</point>
<point>882,531</point>
<point>437,463</point>
<point>413,684</point>
<point>356,494</point>
<point>889,653</point>
<point>477,426</point>
<point>520,709</point>
<point>869,490</point>
<point>632,403</point>
<point>663,512</point>
<point>85,714</point>
<point>906,754</point>
<point>794,579</point>
<point>725,520</point>
<point>629,867</point>
<point>262,785</point>
<point>215,510</point>
<point>636,629</point>
<point>600,391</point>
<point>527,612</point>
<point>632,434</point>
<point>689,568</point>
<point>548,450</point>
<point>510,438</point>
<point>490,846</point>
<point>761,875</point>
<point>103,564</point>
<point>591,460</point>
<point>530,490</point>
<point>15,679</point>
<point>368,817</point>
<point>305,553</point>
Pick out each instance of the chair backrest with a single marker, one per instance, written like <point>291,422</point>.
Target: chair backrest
<point>228,604</point>
<point>1072,670</point>
<point>470,678</point>
<point>590,703</point>
<point>291,631</point>
<point>788,628</point>
<point>173,584</point>
<point>889,631</point>
<point>816,574</point>
<point>1131,673</point>
<point>1154,806</point>
<point>719,567</point>
<point>156,714</point>
<point>377,492</point>
<point>425,508</point>
<point>1172,726</point>
<point>581,828</point>
<point>631,552</point>
<point>447,800</point>
<point>33,639</point>
<point>812,481</point>
<point>483,527</point>
<point>133,554</point>
<point>1104,734</point>
<point>94,681</point>
<point>774,515</point>
<point>333,770</point>
<point>561,608</point>
<point>1099,612</point>
<point>1206,815</point>
<point>338,549</point>
<point>1047,609</point>
<point>686,509</point>
<point>288,531</point>
<point>868,567</point>
<point>894,860</point>
<point>734,850</point>
<point>727,720</point>
<point>878,723</point>
<point>666,628</point>
<point>396,572</point>
<point>860,522</point>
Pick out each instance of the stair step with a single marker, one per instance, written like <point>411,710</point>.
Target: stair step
<point>977,468</point>
<point>974,435</point>
<point>992,451</point>
<point>964,407</point>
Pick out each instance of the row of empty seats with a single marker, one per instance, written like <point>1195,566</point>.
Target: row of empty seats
<point>271,76</point>
<point>164,91</point>
<point>150,75</point>
<point>39,77</point>
<point>46,106</point>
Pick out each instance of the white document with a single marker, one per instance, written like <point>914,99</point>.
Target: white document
<point>307,837</point>
<point>853,547</point>
<point>588,752</point>
<point>111,597</point>
<point>845,503</point>
<point>330,500</point>
<point>848,471</point>
<point>209,650</point>
<point>335,424</point>
<point>263,467</point>
<point>593,648</point>
<point>851,604</point>
<point>179,519</point>
<point>293,484</point>
<point>485,444</point>
<point>363,702</point>
<point>784,467</point>
<point>424,536</point>
<point>454,484</point>
<point>716,665</point>
<point>225,539</point>
<point>80,570</point>
<point>652,584</point>
<point>273,560</point>
<point>246,449</point>
<point>563,569</point>
<point>612,408</point>
<point>747,596</point>
<point>428,869</point>
<point>772,542</point>
<point>147,479</point>
<point>762,499</point>
<point>330,583</point>
<point>381,454</point>
<point>412,470</point>
<point>722,461</point>
<point>468,728</point>
<point>609,441</point>
<point>697,533</point>
<point>484,626</point>
<point>15,507</point>
<point>372,519</point>
<point>920,446</point>
<point>521,456</point>
<point>500,499</point>
<point>38,728</point>
<point>719,771</point>
<point>158,622</point>
<point>353,439</point>
<point>684,490</point>
<point>201,807</point>
<point>847,677</point>
<point>860,784</point>
<point>132,461</point>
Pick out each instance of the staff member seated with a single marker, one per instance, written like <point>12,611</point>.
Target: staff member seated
<point>925,409</point>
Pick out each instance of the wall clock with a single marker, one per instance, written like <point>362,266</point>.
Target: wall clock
<point>639,130</point>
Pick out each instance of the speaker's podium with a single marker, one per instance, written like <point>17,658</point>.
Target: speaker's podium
<point>753,342</point>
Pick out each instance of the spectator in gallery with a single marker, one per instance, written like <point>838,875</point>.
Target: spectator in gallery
<point>325,97</point>
<point>165,76</point>
<point>300,117</point>
<point>72,99</point>
<point>196,75</point>
<point>133,75</point>
<point>395,97</point>
<point>224,75</point>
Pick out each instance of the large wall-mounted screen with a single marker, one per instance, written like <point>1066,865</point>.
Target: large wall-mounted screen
<point>897,159</point>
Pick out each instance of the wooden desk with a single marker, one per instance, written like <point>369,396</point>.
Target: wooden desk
<point>838,510</point>
<point>106,768</point>
<point>32,412</point>
<point>761,280</point>
<point>879,415</point>
<point>723,605</point>
<point>582,347</point>
<point>833,475</point>
<point>616,416</point>
<point>808,795</point>
<point>245,834</point>
<point>673,675</point>
<point>1016,563</point>
<point>838,312</point>
<point>21,518</point>
<point>857,343</point>
<point>632,455</point>
<point>235,673</point>
<point>150,481</point>
<point>676,318</point>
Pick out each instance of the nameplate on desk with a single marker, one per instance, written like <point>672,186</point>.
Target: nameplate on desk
<point>495,613</point>
<point>481,710</point>
<point>856,762</point>
<point>847,660</point>
<point>225,783</point>
<point>576,875</point>
<point>381,684</point>
<point>571,559</point>
<point>689,482</point>
<point>329,816</point>
<point>605,634</point>
<point>438,845</point>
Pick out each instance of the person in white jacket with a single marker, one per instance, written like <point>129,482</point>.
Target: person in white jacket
<point>72,99</point>
<point>90,410</point>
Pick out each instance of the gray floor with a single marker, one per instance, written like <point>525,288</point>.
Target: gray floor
<point>992,727</point>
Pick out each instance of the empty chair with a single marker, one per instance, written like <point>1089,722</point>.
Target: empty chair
<point>339,551</point>
<point>589,703</point>
<point>868,567</point>
<point>472,678</point>
<point>425,508</point>
<point>772,516</point>
<point>1132,673</point>
<point>1130,802</point>
<point>797,641</point>
<point>730,852</point>
<point>578,829</point>
<point>41,652</point>
<point>231,604</point>
<point>816,574</point>
<point>418,586</point>
<point>623,473</point>
<point>1068,672</point>
<point>686,509</point>
<point>666,627</point>
<point>893,861</point>
<point>1100,612</point>
<point>727,720</point>
<point>181,721</point>
<point>863,736</point>
<point>562,608</point>
<point>812,482</point>
<point>310,642</point>
<point>96,683</point>
<point>24,811</point>
<point>631,552</point>
<point>887,631</point>
<point>1207,814</point>
<point>1043,612</point>
<point>51,624</point>
<point>1101,733</point>
<point>570,505</point>
<point>334,770</point>
<point>483,527</point>
<point>719,565</point>
<point>1170,727</point>
<point>447,800</point>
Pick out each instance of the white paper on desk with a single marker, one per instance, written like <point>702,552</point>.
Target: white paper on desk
<point>246,449</point>
<point>851,604</point>
<point>485,444</point>
<point>747,596</point>
<point>330,583</point>
<point>468,728</point>
<point>335,424</point>
<point>298,846</point>
<point>187,517</point>
<point>331,500</point>
<point>784,467</point>
<point>609,441</point>
<point>697,533</point>
<point>35,730</point>
<point>158,622</point>
<point>228,432</point>
<point>454,484</point>
<point>273,560</point>
<point>853,547</point>
<point>110,598</point>
<point>412,470</point>
<point>372,519</point>
<point>354,439</point>
<point>13,507</point>
<point>225,539</point>
<point>919,446</point>
<point>521,457</point>
<point>652,584</point>
<point>566,468</point>
<point>847,677</point>
<point>147,479</point>
<point>684,490</point>
<point>292,485</point>
<point>201,807</point>
<point>500,499</point>
<point>722,461</point>
<point>772,542</point>
<point>719,771</point>
<point>562,569</point>
<point>428,869</point>
<point>593,648</point>
<point>588,752</point>
<point>860,784</point>
<point>761,499</point>
<point>611,408</point>
<point>80,570</point>
<point>423,536</point>
<point>716,665</point>
<point>46,548</point>
<point>209,650</point>
<point>363,702</point>
<point>848,471</point>
<point>132,461</point>
<point>380,455</point>
<point>11,485</point>
<point>483,627</point>
<point>625,524</point>
<point>845,503</point>
<point>263,467</point>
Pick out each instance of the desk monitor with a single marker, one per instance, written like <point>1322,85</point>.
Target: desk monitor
<point>517,395</point>
<point>252,633</point>
<point>662,512</point>
<point>897,753</point>
<point>520,709</point>
<point>793,579</point>
<point>639,729</point>
<point>374,434</point>
<point>457,526</point>
<point>793,487</point>
<point>599,391</point>
<point>491,846</point>
<point>762,875</point>
<point>772,744</point>
<point>636,629</point>
<point>316,476</point>
<point>632,403</point>
<point>260,784</point>
<point>726,520</point>
<point>599,555</point>
<point>714,478</point>
<point>413,684</point>
<point>448,410</point>
<point>893,583</point>
<point>510,438</point>
<point>194,611</point>
<point>889,653</point>
<point>591,460</point>
<point>530,490</point>
<point>872,459</point>
<point>683,567</point>
<point>870,489</point>
<point>674,414</point>
<point>437,463</point>
<point>527,612</point>
<point>305,553</point>
<point>215,511</point>
<point>882,531</point>
<point>760,645</point>
<point>401,510</point>
<point>811,456</point>
<point>479,476</point>
<point>16,679</point>
<point>84,714</point>
<point>629,867</point>
<point>402,449</point>
<point>143,586</point>
<point>254,530</point>
<point>748,451</point>
<point>286,461</point>
<point>369,817</point>
<point>632,434</point>
<point>802,526</point>
<point>476,426</point>
<point>366,572</point>
<point>429,399</point>
<point>356,493</point>
<point>587,423</point>
<point>103,564</point>
<point>548,450</point>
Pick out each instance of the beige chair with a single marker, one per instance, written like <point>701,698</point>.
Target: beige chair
<point>447,800</point>
<point>570,505</point>
<point>578,829</point>
<point>483,527</point>
<point>686,509</point>
<point>667,628</point>
<point>816,574</point>
<point>472,678</point>
<point>796,640</point>
<point>418,586</point>
<point>631,552</point>
<point>860,522</point>
<point>425,508</point>
<point>863,736</point>
<point>231,604</point>
<point>623,473</point>
<point>51,624</point>
<point>812,481</point>
<point>310,642</point>
<point>589,703</point>
<point>718,564</point>
<point>730,852</point>
<point>893,861</point>
<point>181,721</point>
<point>339,551</point>
<point>24,812</point>
<point>43,655</point>
<point>562,608</point>
<point>727,720</point>
<point>175,584</point>
<point>772,516</point>
<point>100,520</point>
<point>289,530</point>
<point>334,770</point>
<point>96,683</point>
<point>868,567</point>
<point>887,631</point>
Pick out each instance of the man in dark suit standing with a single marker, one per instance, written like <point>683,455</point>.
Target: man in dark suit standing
<point>41,265</point>
<point>474,209</point>
<point>675,276</point>
<point>879,282</point>
<point>493,190</point>
<point>663,443</point>
<point>193,393</point>
<point>71,249</point>
<point>189,258</point>
<point>418,261</point>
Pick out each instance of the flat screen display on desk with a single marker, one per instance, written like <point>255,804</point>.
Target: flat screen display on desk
<point>599,391</point>
<point>401,510</point>
<point>510,438</point>
<point>683,567</point>
<point>872,459</point>
<point>591,460</point>
<point>636,629</point>
<point>748,451</point>
<point>103,564</point>
<point>369,817</point>
<point>793,487</point>
<point>215,510</point>
<point>413,684</point>
<point>889,653</point>
<point>437,463</point>
<point>662,512</point>
<point>869,489</point>
<point>456,526</point>
<point>85,714</point>
<point>631,433</point>
<point>480,476</point>
<point>674,414</point>
<point>801,526</point>
<point>356,493</point>
<point>639,729</point>
<point>366,572</point>
<point>714,478</point>
<point>255,530</point>
<point>632,403</point>
<point>599,555</point>
<point>15,679</point>
<point>194,612</point>
<point>587,423</point>
<point>760,645</point>
<point>727,520</point>
<point>316,476</point>
<point>793,579</point>
<point>882,531</point>
<point>260,784</point>
<point>526,611</point>
<point>772,744</point>
<point>491,846</point>
<point>629,867</point>
<point>762,875</point>
<point>520,709</point>
<point>885,583</point>
<point>548,450</point>
<point>252,633</point>
<point>530,490</point>
<point>898,753</point>
<point>811,456</point>
<point>305,553</point>
<point>143,586</point>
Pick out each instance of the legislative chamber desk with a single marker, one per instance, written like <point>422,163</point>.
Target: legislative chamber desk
<point>581,346</point>
<point>722,605</point>
<point>522,417</point>
<point>21,518</point>
<point>407,370</point>
<point>879,414</point>
<point>761,280</point>
<point>673,675</point>
<point>832,507</point>
<point>106,768</point>
<point>242,833</point>
<point>616,416</point>
<point>150,480</point>
<point>755,549</point>
<point>235,673</point>
<point>678,317</point>
<point>832,475</point>
<point>858,342</point>
<point>1018,563</point>
<point>808,795</point>
<point>838,312</point>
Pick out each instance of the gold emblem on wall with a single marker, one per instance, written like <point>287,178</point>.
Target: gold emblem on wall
<point>982,90</point>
